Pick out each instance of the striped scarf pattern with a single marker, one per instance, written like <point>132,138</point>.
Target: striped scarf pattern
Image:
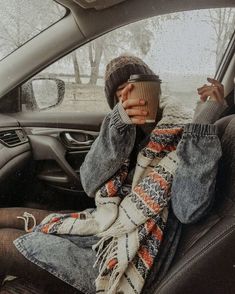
<point>130,223</point>
<point>150,197</point>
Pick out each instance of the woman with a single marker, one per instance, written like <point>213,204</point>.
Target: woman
<point>122,219</point>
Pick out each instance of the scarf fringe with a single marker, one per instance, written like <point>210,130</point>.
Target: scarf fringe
<point>111,282</point>
<point>104,255</point>
<point>114,279</point>
<point>116,272</point>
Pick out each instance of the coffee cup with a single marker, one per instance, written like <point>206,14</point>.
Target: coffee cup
<point>146,87</point>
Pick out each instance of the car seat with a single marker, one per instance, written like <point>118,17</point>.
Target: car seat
<point>205,259</point>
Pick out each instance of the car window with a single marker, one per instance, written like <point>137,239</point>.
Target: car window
<point>21,20</point>
<point>182,48</point>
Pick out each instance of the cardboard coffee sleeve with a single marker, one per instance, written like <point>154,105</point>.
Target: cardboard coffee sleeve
<point>146,87</point>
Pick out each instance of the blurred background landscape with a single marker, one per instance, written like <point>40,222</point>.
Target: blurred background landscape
<point>182,48</point>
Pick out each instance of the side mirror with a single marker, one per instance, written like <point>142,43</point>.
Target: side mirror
<point>42,93</point>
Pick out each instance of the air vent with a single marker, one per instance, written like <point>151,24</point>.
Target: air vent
<point>12,138</point>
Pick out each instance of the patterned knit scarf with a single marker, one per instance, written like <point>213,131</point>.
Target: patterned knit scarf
<point>130,222</point>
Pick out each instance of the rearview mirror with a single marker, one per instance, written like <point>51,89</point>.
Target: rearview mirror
<point>43,93</point>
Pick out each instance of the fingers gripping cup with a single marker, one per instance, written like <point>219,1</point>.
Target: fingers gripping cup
<point>146,87</point>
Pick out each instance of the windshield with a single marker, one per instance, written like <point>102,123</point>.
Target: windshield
<point>21,20</point>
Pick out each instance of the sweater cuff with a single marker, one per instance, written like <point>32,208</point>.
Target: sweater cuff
<point>124,116</point>
<point>200,129</point>
<point>208,112</point>
<point>116,119</point>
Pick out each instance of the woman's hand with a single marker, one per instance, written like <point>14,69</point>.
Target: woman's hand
<point>215,91</point>
<point>137,116</point>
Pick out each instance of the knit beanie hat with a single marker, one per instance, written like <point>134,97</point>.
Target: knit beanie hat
<point>118,71</point>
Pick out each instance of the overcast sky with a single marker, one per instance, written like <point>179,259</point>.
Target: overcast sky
<point>185,46</point>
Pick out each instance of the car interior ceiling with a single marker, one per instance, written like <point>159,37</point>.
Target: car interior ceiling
<point>94,22</point>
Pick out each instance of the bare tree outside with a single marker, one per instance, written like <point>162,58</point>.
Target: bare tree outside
<point>76,68</point>
<point>146,39</point>
<point>197,39</point>
<point>95,53</point>
<point>223,22</point>
<point>21,20</point>
<point>137,36</point>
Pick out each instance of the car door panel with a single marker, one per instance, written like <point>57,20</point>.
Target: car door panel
<point>71,120</point>
<point>60,142</point>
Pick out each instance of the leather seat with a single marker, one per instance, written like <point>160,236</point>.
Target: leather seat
<point>205,259</point>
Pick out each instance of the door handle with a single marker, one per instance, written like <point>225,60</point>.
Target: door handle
<point>49,148</point>
<point>74,141</point>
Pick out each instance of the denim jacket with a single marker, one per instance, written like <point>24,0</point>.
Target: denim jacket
<point>70,258</point>
<point>193,186</point>
<point>198,151</point>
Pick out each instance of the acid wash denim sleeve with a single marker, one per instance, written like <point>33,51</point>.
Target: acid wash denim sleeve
<point>193,186</point>
<point>111,148</point>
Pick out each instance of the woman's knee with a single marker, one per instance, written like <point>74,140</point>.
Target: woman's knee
<point>9,255</point>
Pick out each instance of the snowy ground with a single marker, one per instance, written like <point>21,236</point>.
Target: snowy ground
<point>91,98</point>
<point>85,98</point>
